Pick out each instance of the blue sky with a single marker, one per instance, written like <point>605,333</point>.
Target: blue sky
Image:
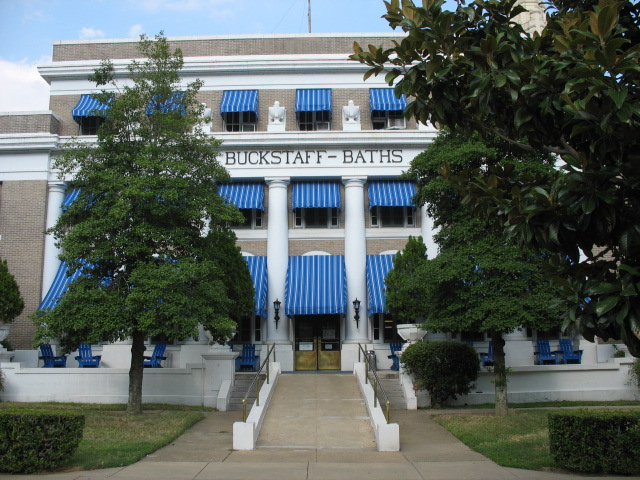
<point>29,28</point>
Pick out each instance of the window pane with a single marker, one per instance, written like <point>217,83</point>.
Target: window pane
<point>316,217</point>
<point>392,216</point>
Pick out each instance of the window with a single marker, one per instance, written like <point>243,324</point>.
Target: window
<point>243,331</point>
<point>252,218</point>
<point>240,121</point>
<point>392,217</point>
<point>317,217</point>
<point>311,121</point>
<point>390,329</point>
<point>388,120</point>
<point>90,125</point>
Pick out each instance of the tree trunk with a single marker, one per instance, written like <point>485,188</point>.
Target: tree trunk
<point>136,371</point>
<point>500,374</point>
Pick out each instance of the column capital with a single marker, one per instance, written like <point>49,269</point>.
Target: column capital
<point>277,181</point>
<point>57,187</point>
<point>354,180</point>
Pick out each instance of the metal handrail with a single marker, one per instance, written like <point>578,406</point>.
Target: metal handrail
<point>377,385</point>
<point>256,382</point>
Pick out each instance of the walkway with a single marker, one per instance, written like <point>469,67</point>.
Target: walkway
<point>428,451</point>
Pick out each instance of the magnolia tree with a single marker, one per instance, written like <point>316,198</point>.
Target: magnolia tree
<point>571,90</point>
<point>137,229</point>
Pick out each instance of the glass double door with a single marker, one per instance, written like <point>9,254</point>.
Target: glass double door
<point>317,342</point>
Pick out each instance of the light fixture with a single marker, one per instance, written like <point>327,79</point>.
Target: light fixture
<point>276,308</point>
<point>356,307</point>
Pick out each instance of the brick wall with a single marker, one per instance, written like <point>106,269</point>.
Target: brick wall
<point>30,123</point>
<point>22,223</point>
<point>375,246</point>
<point>254,247</point>
<point>308,44</point>
<point>300,247</point>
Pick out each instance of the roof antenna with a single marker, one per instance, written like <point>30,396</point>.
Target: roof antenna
<point>309,14</point>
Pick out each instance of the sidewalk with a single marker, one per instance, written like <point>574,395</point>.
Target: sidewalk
<point>427,452</point>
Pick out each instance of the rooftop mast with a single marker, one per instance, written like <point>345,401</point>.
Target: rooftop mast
<point>309,13</point>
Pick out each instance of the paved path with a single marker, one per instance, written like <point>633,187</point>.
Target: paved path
<point>427,452</point>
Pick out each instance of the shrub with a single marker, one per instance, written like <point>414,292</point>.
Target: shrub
<point>444,369</point>
<point>634,373</point>
<point>596,441</point>
<point>33,442</point>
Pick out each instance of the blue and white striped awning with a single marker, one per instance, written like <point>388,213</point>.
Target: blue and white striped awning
<point>239,101</point>
<point>258,271</point>
<point>316,285</point>
<point>316,195</point>
<point>88,106</point>
<point>385,100</point>
<point>317,100</point>
<point>243,195</point>
<point>391,193</point>
<point>58,287</point>
<point>69,198</point>
<point>378,266</point>
<point>172,104</point>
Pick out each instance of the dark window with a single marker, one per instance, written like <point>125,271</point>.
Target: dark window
<point>392,217</point>
<point>90,125</point>
<point>310,121</point>
<point>243,331</point>
<point>240,121</point>
<point>317,218</point>
<point>388,120</point>
<point>252,218</point>
<point>390,329</point>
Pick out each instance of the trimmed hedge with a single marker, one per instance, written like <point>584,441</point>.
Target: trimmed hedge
<point>596,441</point>
<point>34,442</point>
<point>445,369</point>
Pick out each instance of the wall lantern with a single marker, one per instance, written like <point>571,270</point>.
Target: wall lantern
<point>356,307</point>
<point>276,308</point>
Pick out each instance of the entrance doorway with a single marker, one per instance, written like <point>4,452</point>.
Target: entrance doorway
<point>317,342</point>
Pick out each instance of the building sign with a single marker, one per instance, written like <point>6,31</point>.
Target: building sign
<point>253,158</point>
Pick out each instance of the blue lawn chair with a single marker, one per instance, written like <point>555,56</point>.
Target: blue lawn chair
<point>50,360</point>
<point>86,358</point>
<point>569,355</point>
<point>486,358</point>
<point>248,358</point>
<point>156,358</point>
<point>396,348</point>
<point>545,354</point>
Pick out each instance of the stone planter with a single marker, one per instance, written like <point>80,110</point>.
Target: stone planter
<point>411,332</point>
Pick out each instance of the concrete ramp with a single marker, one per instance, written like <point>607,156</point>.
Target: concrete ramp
<point>317,411</point>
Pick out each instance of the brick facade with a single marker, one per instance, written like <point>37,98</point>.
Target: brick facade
<point>45,122</point>
<point>22,223</point>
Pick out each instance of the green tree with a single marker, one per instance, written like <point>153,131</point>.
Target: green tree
<point>573,90</point>
<point>11,303</point>
<point>149,230</point>
<point>478,282</point>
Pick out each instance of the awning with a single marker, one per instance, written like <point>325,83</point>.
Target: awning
<point>239,101</point>
<point>58,287</point>
<point>243,195</point>
<point>317,100</point>
<point>378,266</point>
<point>69,198</point>
<point>173,104</point>
<point>385,100</point>
<point>391,193</point>
<point>316,285</point>
<point>88,106</point>
<point>316,195</point>
<point>258,271</point>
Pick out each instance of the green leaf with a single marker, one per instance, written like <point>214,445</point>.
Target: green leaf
<point>606,305</point>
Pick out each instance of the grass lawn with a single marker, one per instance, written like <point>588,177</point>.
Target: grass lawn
<point>519,440</point>
<point>111,437</point>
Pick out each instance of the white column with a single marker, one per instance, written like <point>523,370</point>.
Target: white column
<point>51,262</point>
<point>355,254</point>
<point>277,257</point>
<point>428,231</point>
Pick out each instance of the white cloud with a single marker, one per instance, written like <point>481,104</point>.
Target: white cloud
<point>21,87</point>
<point>136,30</point>
<point>87,33</point>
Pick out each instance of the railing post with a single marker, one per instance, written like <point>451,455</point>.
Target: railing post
<point>375,394</point>
<point>258,390</point>
<point>268,371</point>
<point>388,408</point>
<point>244,410</point>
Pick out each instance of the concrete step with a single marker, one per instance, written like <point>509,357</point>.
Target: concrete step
<point>241,385</point>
